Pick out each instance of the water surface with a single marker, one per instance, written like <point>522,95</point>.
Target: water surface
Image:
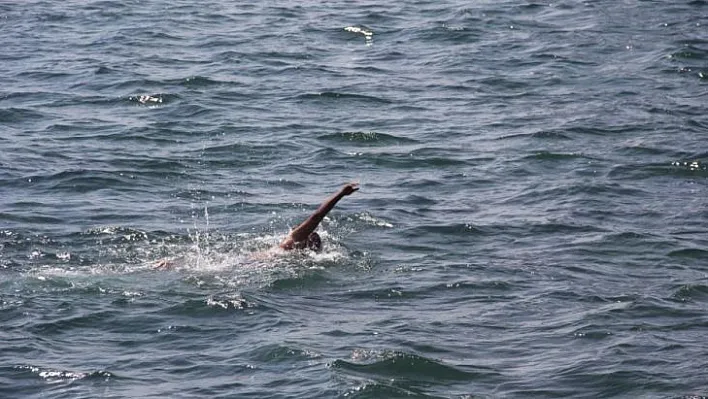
<point>531,220</point>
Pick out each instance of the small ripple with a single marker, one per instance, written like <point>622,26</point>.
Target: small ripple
<point>692,253</point>
<point>337,96</point>
<point>574,191</point>
<point>66,325</point>
<point>401,161</point>
<point>210,307</point>
<point>454,229</point>
<point>43,75</point>
<point>366,138</point>
<point>30,219</point>
<point>374,390</point>
<point>690,292</point>
<point>552,156</point>
<point>82,181</point>
<point>592,332</point>
<point>300,281</point>
<point>104,70</point>
<point>491,285</point>
<point>90,127</point>
<point>643,149</point>
<point>407,371</point>
<point>543,135</point>
<point>247,150</point>
<point>281,354</point>
<point>408,368</point>
<point>395,293</point>
<point>689,52</point>
<point>645,171</point>
<point>600,131</point>
<point>450,33</point>
<point>199,81</point>
<point>19,115</point>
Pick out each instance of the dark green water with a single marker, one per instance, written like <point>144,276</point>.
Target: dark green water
<point>532,219</point>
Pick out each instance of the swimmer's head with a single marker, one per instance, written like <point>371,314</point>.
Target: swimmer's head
<point>314,242</point>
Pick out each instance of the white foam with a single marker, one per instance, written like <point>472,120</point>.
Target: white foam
<point>368,35</point>
<point>369,219</point>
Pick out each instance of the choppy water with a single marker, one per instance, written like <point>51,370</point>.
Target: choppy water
<point>531,223</point>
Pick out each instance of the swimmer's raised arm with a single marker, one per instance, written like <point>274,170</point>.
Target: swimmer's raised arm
<point>301,233</point>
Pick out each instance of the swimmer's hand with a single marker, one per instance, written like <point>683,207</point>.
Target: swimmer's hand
<point>163,264</point>
<point>350,188</point>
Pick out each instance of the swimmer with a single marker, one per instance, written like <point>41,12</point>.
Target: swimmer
<point>303,236</point>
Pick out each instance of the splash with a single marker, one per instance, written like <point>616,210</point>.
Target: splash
<point>202,258</point>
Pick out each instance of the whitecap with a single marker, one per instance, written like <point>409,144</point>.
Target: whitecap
<point>368,34</point>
